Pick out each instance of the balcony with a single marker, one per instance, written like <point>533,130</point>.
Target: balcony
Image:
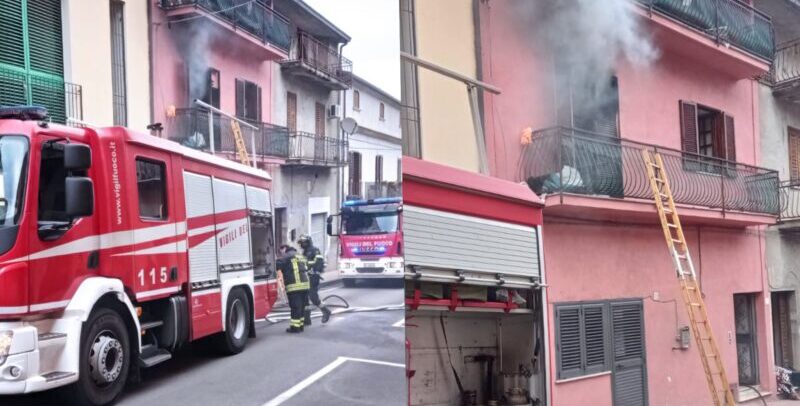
<point>310,58</point>
<point>63,100</point>
<point>725,21</point>
<point>790,202</point>
<point>583,174</point>
<point>784,75</point>
<point>316,150</point>
<point>260,22</point>
<point>190,127</point>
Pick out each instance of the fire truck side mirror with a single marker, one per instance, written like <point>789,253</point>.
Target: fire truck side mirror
<point>79,196</point>
<point>77,157</point>
<point>333,225</point>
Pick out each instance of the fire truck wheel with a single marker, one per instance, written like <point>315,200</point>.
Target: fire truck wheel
<point>104,359</point>
<point>237,324</point>
<point>349,283</point>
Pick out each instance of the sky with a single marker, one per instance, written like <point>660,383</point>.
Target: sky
<point>374,29</point>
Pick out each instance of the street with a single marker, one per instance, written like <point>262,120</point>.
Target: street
<point>356,358</point>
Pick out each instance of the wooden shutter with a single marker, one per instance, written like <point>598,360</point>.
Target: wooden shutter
<point>354,169</point>
<point>319,119</point>
<point>688,116</point>
<point>568,341</point>
<point>240,98</point>
<point>794,153</point>
<point>291,111</point>
<point>730,139</point>
<point>12,47</point>
<point>594,331</point>
<point>44,36</point>
<point>258,102</point>
<point>356,100</point>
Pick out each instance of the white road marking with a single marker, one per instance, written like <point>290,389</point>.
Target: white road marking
<point>294,390</point>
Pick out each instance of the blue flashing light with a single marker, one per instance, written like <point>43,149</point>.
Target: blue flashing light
<point>365,202</point>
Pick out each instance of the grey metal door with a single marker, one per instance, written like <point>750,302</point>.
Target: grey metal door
<point>629,369</point>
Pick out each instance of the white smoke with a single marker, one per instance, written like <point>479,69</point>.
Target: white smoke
<point>588,38</point>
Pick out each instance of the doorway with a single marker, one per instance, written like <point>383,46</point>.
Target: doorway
<point>746,344</point>
<point>782,328</point>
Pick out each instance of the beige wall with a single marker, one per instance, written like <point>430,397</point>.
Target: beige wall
<point>446,122</point>
<point>87,59</point>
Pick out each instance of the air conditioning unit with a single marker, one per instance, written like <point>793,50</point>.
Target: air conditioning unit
<point>333,111</point>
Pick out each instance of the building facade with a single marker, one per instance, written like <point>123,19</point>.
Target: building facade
<point>580,101</point>
<point>274,70</point>
<point>780,146</point>
<point>375,148</point>
<point>44,60</point>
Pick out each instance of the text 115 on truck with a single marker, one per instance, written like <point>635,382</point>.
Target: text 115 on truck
<point>370,239</point>
<point>117,248</point>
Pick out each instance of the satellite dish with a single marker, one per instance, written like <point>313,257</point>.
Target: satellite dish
<point>349,125</point>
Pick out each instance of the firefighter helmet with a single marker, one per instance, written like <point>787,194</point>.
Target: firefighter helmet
<point>305,241</point>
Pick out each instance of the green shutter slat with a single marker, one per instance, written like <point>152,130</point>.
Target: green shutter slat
<point>12,49</point>
<point>45,36</point>
<point>12,88</point>
<point>49,93</point>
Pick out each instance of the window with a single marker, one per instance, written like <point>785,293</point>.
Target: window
<point>744,311</point>
<point>378,169</point>
<point>582,339</point>
<point>32,47</point>
<point>118,86</point>
<point>706,132</point>
<point>52,185</point>
<point>248,100</point>
<point>382,112</point>
<point>280,226</point>
<point>794,154</point>
<point>152,186</point>
<point>356,100</point>
<point>354,171</point>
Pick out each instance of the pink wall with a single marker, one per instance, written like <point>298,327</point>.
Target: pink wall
<point>623,262</point>
<point>235,56</point>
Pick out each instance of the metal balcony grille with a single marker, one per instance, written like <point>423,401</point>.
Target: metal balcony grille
<point>790,200</point>
<point>62,99</point>
<point>252,16</point>
<point>727,21</point>
<point>562,160</point>
<point>311,149</point>
<point>322,58</point>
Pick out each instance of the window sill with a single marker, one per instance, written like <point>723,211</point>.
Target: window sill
<point>579,378</point>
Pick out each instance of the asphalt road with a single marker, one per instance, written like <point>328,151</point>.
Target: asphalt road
<point>354,359</point>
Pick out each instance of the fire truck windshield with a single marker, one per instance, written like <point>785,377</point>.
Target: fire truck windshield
<point>13,161</point>
<point>370,223</point>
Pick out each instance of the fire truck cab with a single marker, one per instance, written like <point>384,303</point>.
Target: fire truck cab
<point>370,239</point>
<point>117,248</point>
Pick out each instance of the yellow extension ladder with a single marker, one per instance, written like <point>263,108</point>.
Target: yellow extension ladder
<point>692,297</point>
<point>241,149</point>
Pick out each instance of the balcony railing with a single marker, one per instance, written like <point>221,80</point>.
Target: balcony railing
<point>190,127</point>
<point>561,160</point>
<point>321,58</point>
<point>252,16</point>
<point>790,200</point>
<point>727,21</point>
<point>785,69</point>
<point>375,190</point>
<point>311,149</point>
<point>62,99</point>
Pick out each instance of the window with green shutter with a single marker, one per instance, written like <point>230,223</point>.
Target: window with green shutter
<point>31,55</point>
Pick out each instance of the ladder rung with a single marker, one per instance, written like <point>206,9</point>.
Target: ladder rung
<point>695,304</point>
<point>671,225</point>
<point>678,241</point>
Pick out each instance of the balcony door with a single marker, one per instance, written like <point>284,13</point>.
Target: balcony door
<point>746,345</point>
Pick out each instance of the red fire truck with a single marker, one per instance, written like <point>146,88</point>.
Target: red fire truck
<point>117,248</point>
<point>370,238</point>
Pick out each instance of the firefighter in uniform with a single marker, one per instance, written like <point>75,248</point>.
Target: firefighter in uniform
<point>292,267</point>
<point>316,266</point>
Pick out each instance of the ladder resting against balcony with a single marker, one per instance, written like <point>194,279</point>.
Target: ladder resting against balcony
<point>710,357</point>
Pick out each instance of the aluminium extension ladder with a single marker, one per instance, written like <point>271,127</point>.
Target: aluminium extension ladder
<point>241,149</point>
<point>692,297</point>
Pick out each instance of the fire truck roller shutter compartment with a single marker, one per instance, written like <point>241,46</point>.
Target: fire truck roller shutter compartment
<point>482,248</point>
<point>202,256</point>
<point>258,199</point>
<point>230,212</point>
